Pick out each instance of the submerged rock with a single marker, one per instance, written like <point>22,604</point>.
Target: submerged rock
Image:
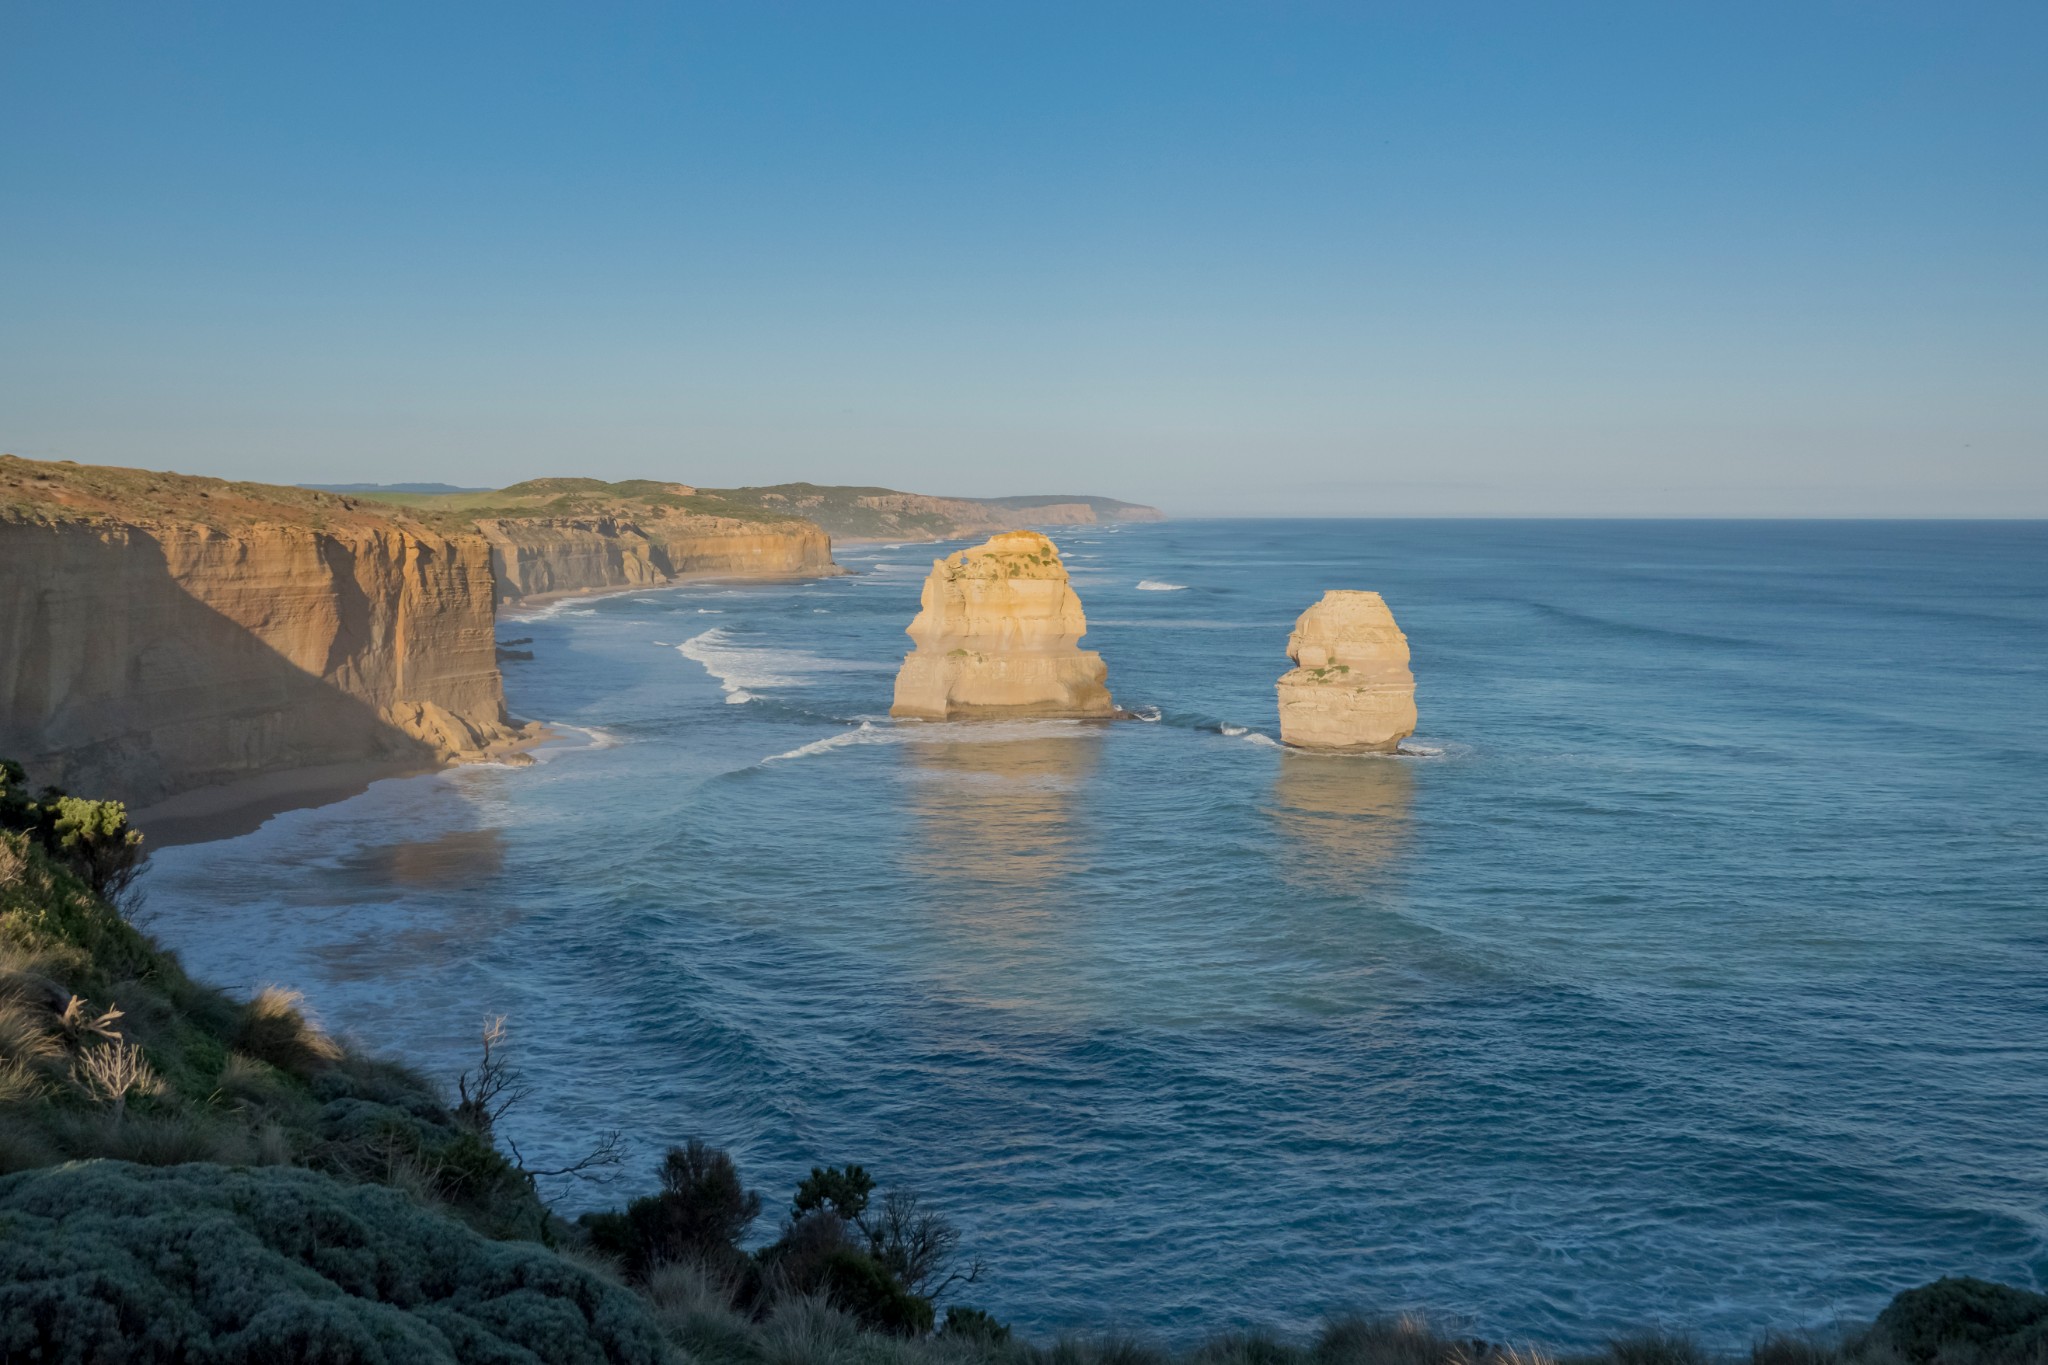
<point>1351,689</point>
<point>998,634</point>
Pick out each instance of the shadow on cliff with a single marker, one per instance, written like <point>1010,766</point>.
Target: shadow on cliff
<point>126,684</point>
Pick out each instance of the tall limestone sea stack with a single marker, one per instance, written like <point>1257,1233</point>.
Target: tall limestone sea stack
<point>998,634</point>
<point>1351,690</point>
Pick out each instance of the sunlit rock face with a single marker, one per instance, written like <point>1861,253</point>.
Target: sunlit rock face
<point>998,634</point>
<point>1351,688</point>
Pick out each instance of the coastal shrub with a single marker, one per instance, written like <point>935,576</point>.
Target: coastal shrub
<point>92,838</point>
<point>1782,1348</point>
<point>698,1216</point>
<point>1404,1340</point>
<point>1968,1322</point>
<point>916,1245</point>
<point>844,1190</point>
<point>862,1286</point>
<point>111,1261</point>
<point>972,1324</point>
<point>1655,1348</point>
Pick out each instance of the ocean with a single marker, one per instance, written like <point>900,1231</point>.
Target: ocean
<point>1691,971</point>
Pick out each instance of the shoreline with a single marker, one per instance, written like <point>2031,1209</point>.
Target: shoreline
<point>228,810</point>
<point>537,599</point>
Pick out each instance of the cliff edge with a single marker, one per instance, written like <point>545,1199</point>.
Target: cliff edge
<point>161,632</point>
<point>997,634</point>
<point>550,536</point>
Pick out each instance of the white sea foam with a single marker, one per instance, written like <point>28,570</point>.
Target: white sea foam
<point>743,671</point>
<point>591,735</point>
<point>1248,735</point>
<point>709,611</point>
<point>866,733</point>
<point>546,611</point>
<point>1154,585</point>
<point>1174,625</point>
<point>936,732</point>
<point>1151,715</point>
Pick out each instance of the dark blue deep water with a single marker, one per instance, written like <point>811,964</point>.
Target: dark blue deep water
<point>1694,972</point>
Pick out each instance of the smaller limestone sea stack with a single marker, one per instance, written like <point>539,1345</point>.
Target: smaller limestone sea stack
<point>998,634</point>
<point>1351,690</point>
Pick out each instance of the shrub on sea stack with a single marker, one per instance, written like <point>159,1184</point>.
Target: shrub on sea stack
<point>108,1261</point>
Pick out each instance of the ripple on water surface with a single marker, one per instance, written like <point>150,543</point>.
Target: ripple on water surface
<point>1689,970</point>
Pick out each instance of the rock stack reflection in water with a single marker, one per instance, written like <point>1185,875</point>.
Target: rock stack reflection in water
<point>1344,817</point>
<point>998,811</point>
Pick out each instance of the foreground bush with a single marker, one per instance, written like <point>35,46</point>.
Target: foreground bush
<point>1969,1322</point>
<point>92,838</point>
<point>112,1261</point>
<point>109,1050</point>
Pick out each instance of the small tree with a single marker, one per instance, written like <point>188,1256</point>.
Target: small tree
<point>842,1189</point>
<point>699,1215</point>
<point>918,1246</point>
<point>92,838</point>
<point>95,838</point>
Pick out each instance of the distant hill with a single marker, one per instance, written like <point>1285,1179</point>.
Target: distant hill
<point>1108,509</point>
<point>845,511</point>
<point>854,512</point>
<point>391,488</point>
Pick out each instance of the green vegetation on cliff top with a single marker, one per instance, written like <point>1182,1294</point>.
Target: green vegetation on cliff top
<point>32,490</point>
<point>845,511</point>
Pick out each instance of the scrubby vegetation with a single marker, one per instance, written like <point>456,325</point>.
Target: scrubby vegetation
<point>108,1049</point>
<point>189,1177</point>
<point>883,1264</point>
<point>113,1261</point>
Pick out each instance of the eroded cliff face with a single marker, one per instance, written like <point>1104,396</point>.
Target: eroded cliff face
<point>532,557</point>
<point>997,634</point>
<point>144,657</point>
<point>1351,688</point>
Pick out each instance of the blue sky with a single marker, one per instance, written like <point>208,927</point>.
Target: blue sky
<point>1518,258</point>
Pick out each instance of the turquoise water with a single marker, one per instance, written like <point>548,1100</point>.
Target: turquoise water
<point>1693,972</point>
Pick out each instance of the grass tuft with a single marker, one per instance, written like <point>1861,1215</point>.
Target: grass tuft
<point>276,1028</point>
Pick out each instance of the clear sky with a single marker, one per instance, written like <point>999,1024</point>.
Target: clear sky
<point>1517,258</point>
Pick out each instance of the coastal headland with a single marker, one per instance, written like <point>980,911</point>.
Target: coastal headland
<point>213,651</point>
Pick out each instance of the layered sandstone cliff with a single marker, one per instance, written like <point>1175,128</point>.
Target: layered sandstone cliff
<point>998,634</point>
<point>1351,688</point>
<point>160,633</point>
<point>535,556</point>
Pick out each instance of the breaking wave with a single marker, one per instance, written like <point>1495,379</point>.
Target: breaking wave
<point>1154,585</point>
<point>865,734</point>
<point>743,671</point>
